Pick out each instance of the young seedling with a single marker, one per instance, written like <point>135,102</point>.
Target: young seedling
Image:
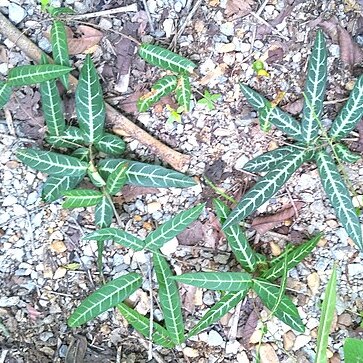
<point>258,275</point>
<point>313,143</point>
<point>209,100</point>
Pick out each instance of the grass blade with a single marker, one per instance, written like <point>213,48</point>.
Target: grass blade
<point>117,235</point>
<point>339,197</point>
<point>327,315</point>
<point>29,75</point>
<point>315,89</point>
<point>160,335</point>
<point>225,281</point>
<point>172,228</point>
<point>169,299</point>
<point>218,310</point>
<point>105,298</point>
<point>90,107</point>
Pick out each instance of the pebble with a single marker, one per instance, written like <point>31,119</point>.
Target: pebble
<point>225,47</point>
<point>105,24</point>
<point>215,339</point>
<point>59,273</point>
<point>45,336</point>
<point>9,200</point>
<point>288,340</point>
<point>168,25</point>
<point>296,58</point>
<point>4,217</point>
<point>301,341</point>
<point>170,247</point>
<point>227,28</point>
<point>45,44</point>
<point>153,207</point>
<point>242,358</point>
<point>9,301</point>
<point>268,354</point>
<point>355,269</point>
<point>232,347</point>
<point>345,319</point>
<point>191,352</point>
<point>314,282</point>
<point>16,13</point>
<point>208,298</point>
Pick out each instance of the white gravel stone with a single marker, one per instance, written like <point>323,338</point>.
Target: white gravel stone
<point>215,339</point>
<point>296,58</point>
<point>16,13</point>
<point>170,247</point>
<point>240,162</point>
<point>9,200</point>
<point>355,269</point>
<point>301,341</point>
<point>232,347</point>
<point>227,28</point>
<point>9,301</point>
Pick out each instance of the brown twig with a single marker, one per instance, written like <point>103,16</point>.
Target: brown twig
<point>121,124</point>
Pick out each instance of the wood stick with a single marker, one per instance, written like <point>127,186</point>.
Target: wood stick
<point>121,124</point>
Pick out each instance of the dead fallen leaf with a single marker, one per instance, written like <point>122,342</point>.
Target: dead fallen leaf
<point>130,192</point>
<point>87,38</point>
<point>141,18</point>
<point>294,107</point>
<point>192,235</point>
<point>33,313</point>
<point>76,350</point>
<point>213,3</point>
<point>249,328</point>
<point>128,105</point>
<point>166,100</point>
<point>350,52</point>
<point>266,223</point>
<point>238,8</point>
<point>189,298</point>
<point>213,74</point>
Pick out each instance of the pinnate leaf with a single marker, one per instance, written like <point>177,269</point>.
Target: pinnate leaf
<point>353,350</point>
<point>71,138</point>
<point>55,186</point>
<point>106,297</point>
<point>117,179</point>
<point>344,154</point>
<point>147,175</point>
<point>160,335</point>
<point>161,88</point>
<point>52,163</point>
<point>110,144</point>
<point>81,153</point>
<point>339,197</point>
<point>58,39</point>
<point>82,198</point>
<point>169,299</point>
<point>286,311</point>
<point>33,74</point>
<point>117,235</point>
<point>172,228</point>
<point>165,59</point>
<point>225,281</point>
<point>5,93</point>
<point>184,92</point>
<point>103,213</point>
<point>90,107</point>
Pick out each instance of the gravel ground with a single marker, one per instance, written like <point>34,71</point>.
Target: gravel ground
<point>41,242</point>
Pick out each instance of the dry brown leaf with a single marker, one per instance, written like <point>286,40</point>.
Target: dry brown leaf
<point>238,8</point>
<point>189,298</point>
<point>213,74</point>
<point>350,52</point>
<point>263,224</point>
<point>249,328</point>
<point>130,192</point>
<point>128,105</point>
<point>294,107</point>
<point>88,38</point>
<point>192,235</point>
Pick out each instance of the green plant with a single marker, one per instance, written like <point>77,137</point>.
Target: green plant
<point>209,100</point>
<point>326,320</point>
<point>179,82</point>
<point>259,277</point>
<point>312,143</point>
<point>115,292</point>
<point>353,350</point>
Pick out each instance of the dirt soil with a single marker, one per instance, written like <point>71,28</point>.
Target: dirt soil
<point>47,269</point>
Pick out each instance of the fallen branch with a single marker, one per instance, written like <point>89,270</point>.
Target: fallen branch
<point>121,124</point>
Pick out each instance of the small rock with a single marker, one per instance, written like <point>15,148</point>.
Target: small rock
<point>58,246</point>
<point>105,24</point>
<point>45,44</point>
<point>256,336</point>
<point>244,47</point>
<point>275,249</point>
<point>258,44</point>
<point>345,319</point>
<point>170,247</point>
<point>215,339</point>
<point>9,301</point>
<point>301,341</point>
<point>240,162</point>
<point>45,336</point>
<point>242,358</point>
<point>355,269</point>
<point>288,340</point>
<point>32,198</point>
<point>227,28</point>
<point>190,352</point>
<point>268,354</point>
<point>296,58</point>
<point>140,257</point>
<point>59,273</point>
<point>4,217</point>
<point>314,282</point>
<point>16,13</point>
<point>9,200</point>
<point>19,210</point>
<point>168,26</point>
<point>225,47</point>
<point>232,347</point>
<point>208,298</point>
<point>153,207</point>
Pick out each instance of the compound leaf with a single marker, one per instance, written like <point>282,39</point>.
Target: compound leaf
<point>183,92</point>
<point>169,299</point>
<point>117,235</point>
<point>353,350</point>
<point>294,257</point>
<point>268,160</point>
<point>106,297</point>
<point>147,175</point>
<point>160,335</point>
<point>33,74</point>
<point>52,163</point>
<point>71,138</point>
<point>266,187</point>
<point>350,114</point>
<point>172,228</point>
<point>285,311</point>
<point>54,186</point>
<point>165,59</point>
<point>5,93</point>
<point>103,213</point>
<point>236,239</point>
<point>339,197</point>
<point>326,319</point>
<point>161,88</point>
<point>345,154</point>
<point>110,144</point>
<point>58,39</point>
<point>81,153</point>
<point>117,179</point>
<point>218,310</point>
<point>225,281</point>
<point>315,89</point>
<point>81,198</point>
<point>90,107</point>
